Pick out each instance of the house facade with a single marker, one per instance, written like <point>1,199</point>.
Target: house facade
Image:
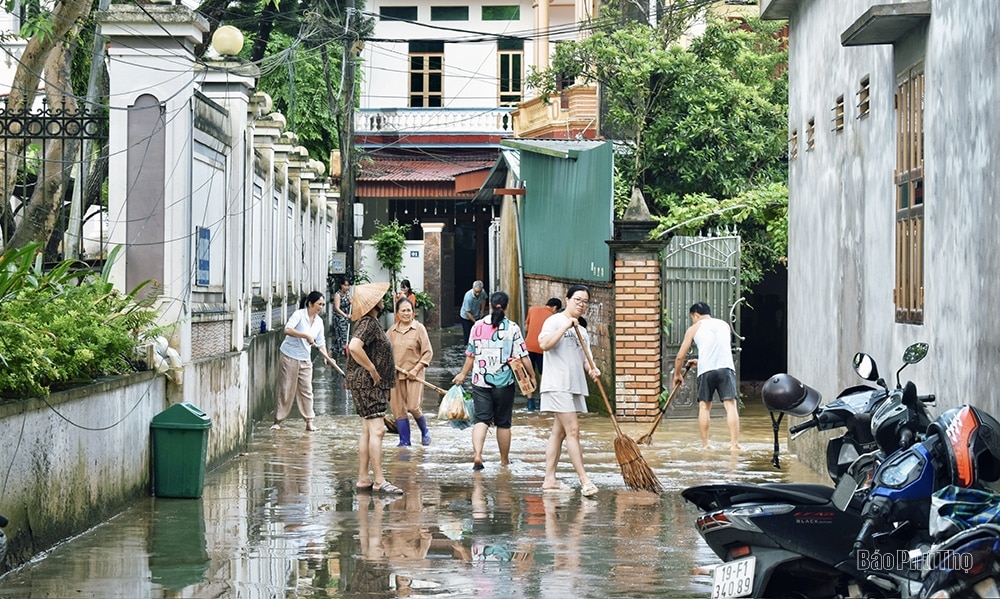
<point>892,224</point>
<point>442,87</point>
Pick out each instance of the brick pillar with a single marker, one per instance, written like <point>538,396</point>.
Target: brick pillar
<point>637,342</point>
<point>637,314</point>
<point>432,272</point>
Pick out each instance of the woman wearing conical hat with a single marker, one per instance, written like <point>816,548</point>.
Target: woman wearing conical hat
<point>370,376</point>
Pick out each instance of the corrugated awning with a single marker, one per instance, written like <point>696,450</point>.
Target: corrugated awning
<point>431,177</point>
<point>508,162</point>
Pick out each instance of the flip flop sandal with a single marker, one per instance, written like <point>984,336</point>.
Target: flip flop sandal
<point>588,490</point>
<point>562,488</point>
<point>387,488</point>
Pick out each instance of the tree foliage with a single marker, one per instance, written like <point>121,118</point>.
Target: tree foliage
<point>722,128</point>
<point>700,129</point>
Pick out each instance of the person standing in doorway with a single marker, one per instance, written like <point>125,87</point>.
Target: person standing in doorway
<point>494,342</point>
<point>472,308</point>
<point>303,332</point>
<point>532,326</point>
<point>716,369</point>
<point>563,388</point>
<point>370,376</point>
<point>411,349</point>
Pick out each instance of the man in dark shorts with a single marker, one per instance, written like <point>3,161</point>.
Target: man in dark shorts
<point>716,369</point>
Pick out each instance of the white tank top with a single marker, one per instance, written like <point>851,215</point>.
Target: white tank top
<point>712,339</point>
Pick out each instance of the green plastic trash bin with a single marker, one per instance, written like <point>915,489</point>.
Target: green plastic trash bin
<point>180,444</point>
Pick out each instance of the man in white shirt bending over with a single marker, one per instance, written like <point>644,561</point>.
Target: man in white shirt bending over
<point>716,370</point>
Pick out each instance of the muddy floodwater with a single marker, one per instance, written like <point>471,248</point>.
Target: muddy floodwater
<point>283,519</point>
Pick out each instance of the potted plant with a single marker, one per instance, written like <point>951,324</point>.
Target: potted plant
<point>423,304</point>
<point>389,240</point>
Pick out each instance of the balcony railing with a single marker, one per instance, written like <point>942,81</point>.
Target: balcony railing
<point>434,120</point>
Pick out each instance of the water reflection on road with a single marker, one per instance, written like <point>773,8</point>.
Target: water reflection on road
<point>283,519</point>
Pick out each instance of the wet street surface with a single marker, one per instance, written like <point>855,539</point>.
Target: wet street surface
<point>283,519</point>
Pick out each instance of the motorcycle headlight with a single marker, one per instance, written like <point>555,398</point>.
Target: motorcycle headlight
<point>901,470</point>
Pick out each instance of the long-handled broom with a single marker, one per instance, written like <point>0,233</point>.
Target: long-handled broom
<point>636,472</point>
<point>440,391</point>
<point>647,439</point>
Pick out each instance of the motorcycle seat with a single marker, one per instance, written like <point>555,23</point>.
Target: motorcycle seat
<point>725,495</point>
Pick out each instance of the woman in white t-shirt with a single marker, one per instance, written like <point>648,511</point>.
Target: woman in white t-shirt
<point>303,332</point>
<point>563,387</point>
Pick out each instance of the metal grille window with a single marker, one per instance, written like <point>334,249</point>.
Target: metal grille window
<point>427,75</point>
<point>909,179</point>
<point>510,54</point>
<point>864,100</point>
<point>838,114</point>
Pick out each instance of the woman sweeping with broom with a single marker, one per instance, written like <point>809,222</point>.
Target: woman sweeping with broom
<point>564,388</point>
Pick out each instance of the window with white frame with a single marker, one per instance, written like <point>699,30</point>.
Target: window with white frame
<point>426,74</point>
<point>510,55</point>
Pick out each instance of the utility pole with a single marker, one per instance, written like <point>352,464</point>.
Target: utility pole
<point>347,180</point>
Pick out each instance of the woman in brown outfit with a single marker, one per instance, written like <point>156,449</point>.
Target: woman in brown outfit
<point>411,348</point>
<point>370,377</point>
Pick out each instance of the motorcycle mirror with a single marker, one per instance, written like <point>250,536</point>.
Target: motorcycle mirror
<point>915,353</point>
<point>864,365</point>
<point>912,355</point>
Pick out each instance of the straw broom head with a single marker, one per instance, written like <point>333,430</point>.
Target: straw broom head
<point>635,471</point>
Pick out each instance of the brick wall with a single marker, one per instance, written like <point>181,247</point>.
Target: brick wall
<point>637,333</point>
<point>599,315</point>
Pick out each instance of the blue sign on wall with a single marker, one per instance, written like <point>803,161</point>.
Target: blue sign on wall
<point>202,251</point>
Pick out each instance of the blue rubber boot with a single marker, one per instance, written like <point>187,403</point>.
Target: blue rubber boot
<point>531,404</point>
<point>403,426</point>
<point>425,435</point>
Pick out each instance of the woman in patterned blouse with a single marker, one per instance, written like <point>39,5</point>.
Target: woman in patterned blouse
<point>370,375</point>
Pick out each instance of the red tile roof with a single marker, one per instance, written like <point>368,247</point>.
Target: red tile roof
<point>389,168</point>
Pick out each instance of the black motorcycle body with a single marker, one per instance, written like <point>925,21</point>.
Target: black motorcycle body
<point>776,538</point>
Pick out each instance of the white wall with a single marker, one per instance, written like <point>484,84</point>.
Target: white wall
<point>412,269</point>
<point>470,68</point>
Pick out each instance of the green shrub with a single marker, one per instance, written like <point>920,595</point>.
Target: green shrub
<point>64,326</point>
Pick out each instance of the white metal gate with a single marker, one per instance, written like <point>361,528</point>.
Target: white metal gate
<point>697,269</point>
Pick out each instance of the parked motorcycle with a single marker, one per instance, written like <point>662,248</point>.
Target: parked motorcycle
<point>793,539</point>
<point>961,450</point>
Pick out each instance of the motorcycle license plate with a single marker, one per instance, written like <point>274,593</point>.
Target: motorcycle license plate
<point>735,578</point>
